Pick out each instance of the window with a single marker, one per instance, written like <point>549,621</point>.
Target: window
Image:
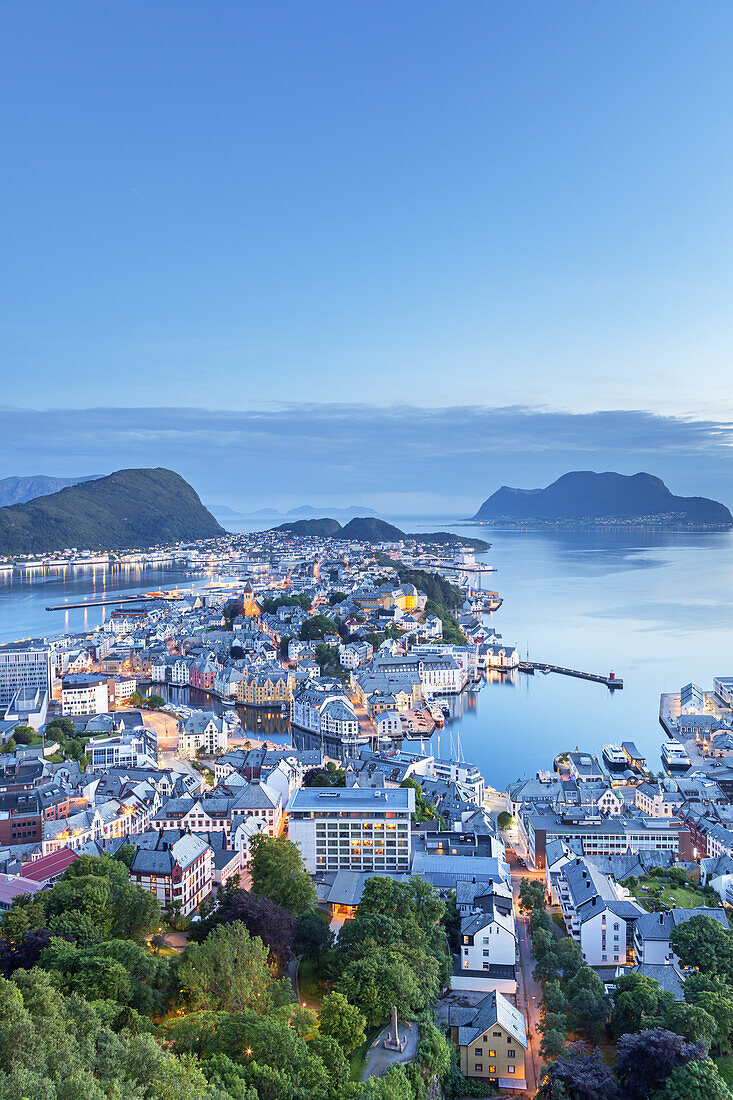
<point>492,1054</point>
<point>479,1067</point>
<point>511,1069</point>
<point>478,1051</point>
<point>511,1054</point>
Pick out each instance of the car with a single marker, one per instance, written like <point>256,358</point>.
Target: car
<point>520,862</point>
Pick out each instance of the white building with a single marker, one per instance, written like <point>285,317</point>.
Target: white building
<point>84,694</point>
<point>178,872</point>
<point>352,828</point>
<point>26,665</point>
<point>653,931</point>
<point>202,732</point>
<point>598,913</point>
<point>127,751</point>
<point>388,725</point>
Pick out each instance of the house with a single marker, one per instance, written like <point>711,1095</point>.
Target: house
<point>653,931</point>
<point>202,732</point>
<point>178,872</point>
<point>389,725</point>
<point>492,1040</point>
<point>488,948</point>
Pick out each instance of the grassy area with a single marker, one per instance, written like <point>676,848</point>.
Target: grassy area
<point>725,1068</point>
<point>557,917</point>
<point>685,897</point>
<point>358,1058</point>
<point>309,984</point>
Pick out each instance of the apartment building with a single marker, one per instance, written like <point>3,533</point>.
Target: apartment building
<point>86,693</point>
<point>27,666</point>
<point>352,828</point>
<point>492,1040</point>
<point>177,871</point>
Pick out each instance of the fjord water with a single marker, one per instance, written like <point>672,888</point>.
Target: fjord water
<point>657,607</point>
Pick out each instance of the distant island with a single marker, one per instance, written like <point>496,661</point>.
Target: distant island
<point>130,508</point>
<point>311,512</point>
<point>584,498</point>
<point>19,490</point>
<point>369,529</point>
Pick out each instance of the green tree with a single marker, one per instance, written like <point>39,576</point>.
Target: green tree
<point>531,894</point>
<point>690,1021</point>
<point>342,1021</point>
<point>230,971</point>
<point>703,943</point>
<point>313,937</point>
<point>154,701</point>
<point>636,998</point>
<point>376,982</point>
<point>24,735</point>
<point>504,820</point>
<point>276,871</point>
<point>394,1085</point>
<point>698,1080</point>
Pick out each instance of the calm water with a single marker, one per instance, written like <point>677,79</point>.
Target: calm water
<point>656,607</point>
<point>24,596</point>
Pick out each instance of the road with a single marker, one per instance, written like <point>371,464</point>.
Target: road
<point>529,992</point>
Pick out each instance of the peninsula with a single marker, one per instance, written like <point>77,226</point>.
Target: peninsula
<point>130,508</point>
<point>369,529</point>
<point>584,498</point>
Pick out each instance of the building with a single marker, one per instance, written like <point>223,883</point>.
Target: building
<point>492,1040</point>
<point>598,913</point>
<point>27,666</point>
<point>352,828</point>
<point>85,693</point>
<point>132,750</point>
<point>178,872</point>
<point>653,931</point>
<point>599,834</point>
<point>202,733</point>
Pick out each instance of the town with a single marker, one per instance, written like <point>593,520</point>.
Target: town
<point>126,743</point>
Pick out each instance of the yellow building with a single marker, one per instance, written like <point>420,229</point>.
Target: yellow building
<point>492,1040</point>
<point>264,688</point>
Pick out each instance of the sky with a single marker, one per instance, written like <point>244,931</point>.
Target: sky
<point>392,254</point>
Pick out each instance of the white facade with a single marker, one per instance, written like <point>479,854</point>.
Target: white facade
<point>87,696</point>
<point>488,940</point>
<point>352,828</point>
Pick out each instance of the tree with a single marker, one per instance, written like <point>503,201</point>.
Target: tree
<point>690,1021</point>
<point>24,735</point>
<point>578,1075</point>
<point>230,971</point>
<point>276,870</point>
<point>645,1061</point>
<point>719,1007</point>
<point>317,626</point>
<point>394,1085</point>
<point>635,999</point>
<point>704,944</point>
<point>694,1081</point>
<point>313,937</point>
<point>504,820</point>
<point>531,895</point>
<point>154,701</point>
<point>342,1021</point>
<point>376,982</point>
<point>274,925</point>
<point>337,597</point>
<point>587,1001</point>
<point>553,1043</point>
<point>570,957</point>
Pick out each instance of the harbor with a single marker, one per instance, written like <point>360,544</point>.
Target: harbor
<point>611,681</point>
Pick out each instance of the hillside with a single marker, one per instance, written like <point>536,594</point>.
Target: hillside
<point>584,496</point>
<point>319,528</point>
<point>19,490</point>
<point>368,529</point>
<point>130,508</point>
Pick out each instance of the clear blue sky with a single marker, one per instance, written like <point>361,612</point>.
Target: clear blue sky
<point>232,205</point>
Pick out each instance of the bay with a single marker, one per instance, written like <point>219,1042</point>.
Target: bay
<point>655,606</point>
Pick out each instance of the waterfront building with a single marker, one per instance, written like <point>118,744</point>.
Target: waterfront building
<point>600,835</point>
<point>25,666</point>
<point>202,733</point>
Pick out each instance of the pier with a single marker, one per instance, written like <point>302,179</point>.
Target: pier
<point>611,681</point>
<point>142,598</point>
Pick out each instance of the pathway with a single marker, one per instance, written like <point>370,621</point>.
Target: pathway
<point>379,1060</point>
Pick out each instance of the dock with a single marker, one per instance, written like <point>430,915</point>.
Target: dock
<point>611,681</point>
<point>144,597</point>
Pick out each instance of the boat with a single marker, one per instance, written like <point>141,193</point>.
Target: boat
<point>615,758</point>
<point>674,757</point>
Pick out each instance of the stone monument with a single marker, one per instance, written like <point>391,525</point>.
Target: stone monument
<point>393,1040</point>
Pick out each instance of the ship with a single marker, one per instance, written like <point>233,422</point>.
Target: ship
<point>675,758</point>
<point>615,759</point>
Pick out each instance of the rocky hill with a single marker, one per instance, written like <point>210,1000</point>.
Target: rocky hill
<point>18,490</point>
<point>583,496</point>
<point>130,508</point>
<point>368,529</point>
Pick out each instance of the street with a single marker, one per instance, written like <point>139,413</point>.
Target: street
<point>529,992</point>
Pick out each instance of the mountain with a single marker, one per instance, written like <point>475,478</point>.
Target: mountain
<point>19,490</point>
<point>583,496</point>
<point>368,529</point>
<point>130,508</point>
<point>309,510</point>
<point>319,528</point>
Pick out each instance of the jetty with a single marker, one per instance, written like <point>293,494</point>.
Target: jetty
<point>612,681</point>
<point>143,597</point>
